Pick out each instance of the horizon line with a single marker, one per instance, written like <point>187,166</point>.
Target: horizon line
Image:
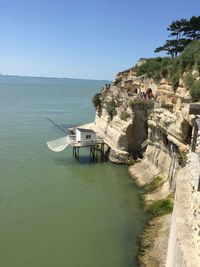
<point>49,77</point>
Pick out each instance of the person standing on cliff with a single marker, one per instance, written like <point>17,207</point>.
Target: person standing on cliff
<point>149,94</point>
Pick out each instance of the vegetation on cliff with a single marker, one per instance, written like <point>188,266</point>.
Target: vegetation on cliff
<point>182,33</point>
<point>111,108</point>
<point>162,207</point>
<point>185,42</point>
<point>152,186</point>
<point>159,207</point>
<point>140,103</point>
<point>124,115</point>
<point>97,100</point>
<point>195,91</point>
<point>176,68</point>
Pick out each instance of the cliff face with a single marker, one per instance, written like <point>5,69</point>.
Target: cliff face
<point>169,133</point>
<point>184,239</point>
<point>126,129</point>
<point>125,122</point>
<point>164,128</point>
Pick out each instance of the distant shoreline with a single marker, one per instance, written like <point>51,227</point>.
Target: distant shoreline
<point>43,77</point>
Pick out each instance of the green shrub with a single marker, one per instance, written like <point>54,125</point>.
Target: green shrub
<point>97,101</point>
<point>197,62</point>
<point>152,67</point>
<point>131,162</point>
<point>175,81</point>
<point>164,70</point>
<point>195,91</point>
<point>190,56</point>
<point>162,206</point>
<point>153,185</point>
<point>143,103</point>
<point>157,77</point>
<point>111,108</point>
<point>130,103</point>
<point>188,80</point>
<point>172,68</point>
<point>125,115</point>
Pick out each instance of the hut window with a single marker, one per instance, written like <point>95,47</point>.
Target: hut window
<point>88,136</point>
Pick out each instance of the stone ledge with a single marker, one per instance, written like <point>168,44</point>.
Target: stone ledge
<point>183,250</point>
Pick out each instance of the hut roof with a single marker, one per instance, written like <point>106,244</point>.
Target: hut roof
<point>85,130</point>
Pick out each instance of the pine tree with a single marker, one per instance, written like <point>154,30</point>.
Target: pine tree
<point>182,33</point>
<point>192,29</point>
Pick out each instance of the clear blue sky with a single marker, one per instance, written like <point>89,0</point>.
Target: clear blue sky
<point>84,38</point>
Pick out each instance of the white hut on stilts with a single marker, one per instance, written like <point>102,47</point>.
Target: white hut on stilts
<point>82,138</point>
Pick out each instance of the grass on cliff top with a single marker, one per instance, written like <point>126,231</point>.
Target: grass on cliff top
<point>149,188</point>
<point>174,68</point>
<point>162,207</point>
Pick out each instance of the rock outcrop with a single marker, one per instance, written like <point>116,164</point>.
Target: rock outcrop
<point>126,129</point>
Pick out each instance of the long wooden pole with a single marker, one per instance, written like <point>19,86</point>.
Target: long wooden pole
<point>57,126</point>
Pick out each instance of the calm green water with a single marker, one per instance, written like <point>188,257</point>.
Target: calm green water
<point>55,212</point>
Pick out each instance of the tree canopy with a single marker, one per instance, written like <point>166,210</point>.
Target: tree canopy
<point>182,33</point>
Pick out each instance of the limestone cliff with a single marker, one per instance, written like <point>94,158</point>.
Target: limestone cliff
<point>169,134</point>
<point>121,120</point>
<point>124,121</point>
<point>158,131</point>
<point>184,239</point>
<point>170,128</point>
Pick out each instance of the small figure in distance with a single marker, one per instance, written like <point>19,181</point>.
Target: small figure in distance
<point>149,94</point>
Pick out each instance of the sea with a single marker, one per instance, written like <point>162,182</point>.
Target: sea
<point>54,211</point>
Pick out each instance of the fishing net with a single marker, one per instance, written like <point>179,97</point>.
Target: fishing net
<point>59,145</point>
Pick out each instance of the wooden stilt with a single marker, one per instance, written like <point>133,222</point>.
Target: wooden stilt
<point>102,152</point>
<point>96,152</point>
<point>93,151</point>
<point>78,154</point>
